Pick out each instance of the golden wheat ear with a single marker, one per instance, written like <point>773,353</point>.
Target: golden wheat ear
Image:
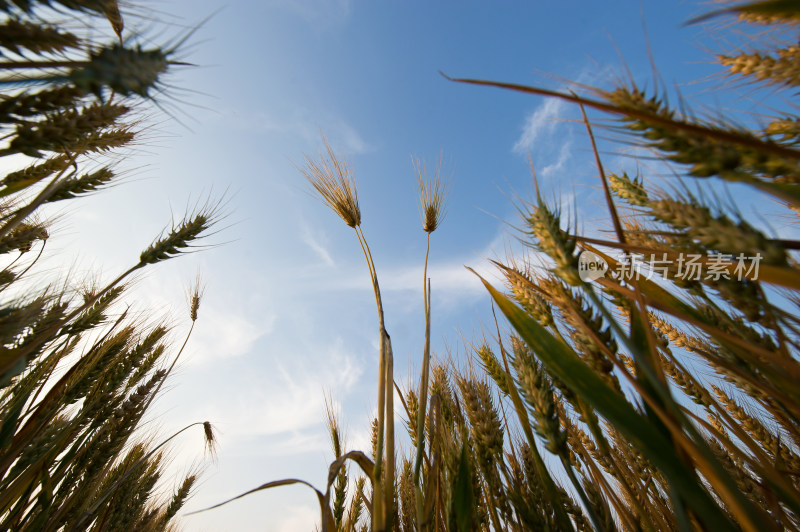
<point>332,180</point>
<point>432,194</point>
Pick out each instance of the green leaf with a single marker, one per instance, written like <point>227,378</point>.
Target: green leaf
<point>563,363</point>
<point>462,496</point>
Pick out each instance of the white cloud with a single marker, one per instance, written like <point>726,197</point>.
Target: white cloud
<point>541,122</point>
<point>450,279</point>
<point>352,140</point>
<point>563,156</point>
<point>446,277</point>
<point>313,241</point>
<point>290,399</point>
<point>544,120</point>
<point>226,333</point>
<point>297,517</point>
<point>339,131</point>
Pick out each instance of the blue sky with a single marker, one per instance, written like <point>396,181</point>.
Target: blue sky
<point>288,314</point>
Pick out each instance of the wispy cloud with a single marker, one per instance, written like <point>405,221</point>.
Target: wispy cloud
<point>232,335</point>
<point>351,139</point>
<point>342,134</point>
<point>540,122</point>
<point>450,278</point>
<point>560,163</point>
<point>313,241</point>
<point>290,400</point>
<point>300,517</point>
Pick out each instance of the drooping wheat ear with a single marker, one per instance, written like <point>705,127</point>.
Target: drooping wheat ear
<point>210,438</point>
<point>333,181</point>
<point>16,36</point>
<point>432,194</point>
<point>716,233</point>
<point>114,15</point>
<point>780,70</point>
<point>181,237</point>
<point>631,190</point>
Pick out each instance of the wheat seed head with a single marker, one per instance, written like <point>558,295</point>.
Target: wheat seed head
<point>333,181</point>
<point>210,438</point>
<point>432,193</point>
<point>194,296</point>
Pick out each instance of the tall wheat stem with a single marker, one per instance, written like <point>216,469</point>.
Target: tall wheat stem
<point>423,386</point>
<point>382,511</point>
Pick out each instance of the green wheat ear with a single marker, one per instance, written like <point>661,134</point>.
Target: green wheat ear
<point>181,237</point>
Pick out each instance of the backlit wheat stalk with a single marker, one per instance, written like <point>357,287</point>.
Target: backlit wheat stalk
<point>77,374</point>
<point>665,404</point>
